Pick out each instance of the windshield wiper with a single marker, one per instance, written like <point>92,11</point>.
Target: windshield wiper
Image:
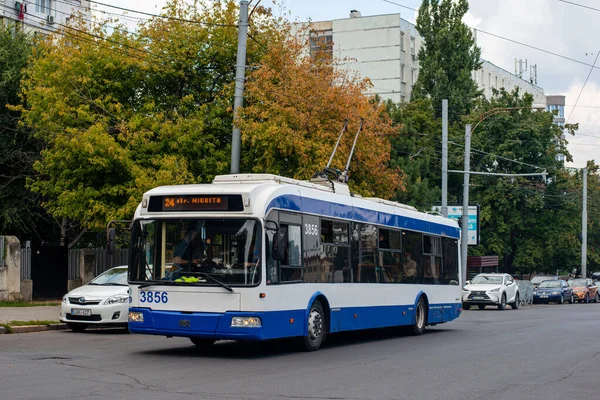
<point>173,283</point>
<point>218,282</point>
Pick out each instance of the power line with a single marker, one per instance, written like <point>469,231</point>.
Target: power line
<point>583,87</point>
<point>517,42</point>
<point>400,5</point>
<point>580,5</point>
<point>162,16</point>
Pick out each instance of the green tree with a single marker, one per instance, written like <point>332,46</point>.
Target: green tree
<point>416,152</point>
<point>521,218</point>
<point>122,112</point>
<point>19,209</point>
<point>447,57</point>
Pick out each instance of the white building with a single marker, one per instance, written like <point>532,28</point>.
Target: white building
<point>491,77</point>
<point>43,16</point>
<point>384,48</point>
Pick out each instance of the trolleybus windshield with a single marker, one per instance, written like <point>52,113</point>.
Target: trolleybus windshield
<point>196,251</point>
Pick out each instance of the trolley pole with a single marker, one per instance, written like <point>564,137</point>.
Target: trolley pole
<point>445,158</point>
<point>464,237</point>
<point>584,227</point>
<point>240,73</point>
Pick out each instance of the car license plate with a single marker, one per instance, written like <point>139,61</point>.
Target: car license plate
<point>477,298</point>
<point>81,311</point>
<point>544,296</point>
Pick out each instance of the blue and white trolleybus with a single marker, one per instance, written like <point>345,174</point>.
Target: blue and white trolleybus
<point>257,257</point>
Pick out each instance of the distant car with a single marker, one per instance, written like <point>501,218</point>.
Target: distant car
<point>536,280</point>
<point>584,290</point>
<point>491,289</point>
<point>104,301</point>
<point>553,291</point>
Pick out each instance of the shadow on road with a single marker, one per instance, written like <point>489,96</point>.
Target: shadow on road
<point>255,350</point>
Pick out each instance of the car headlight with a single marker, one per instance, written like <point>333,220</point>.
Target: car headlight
<point>495,290</point>
<point>555,293</point>
<point>64,300</point>
<point>117,298</point>
<point>465,290</point>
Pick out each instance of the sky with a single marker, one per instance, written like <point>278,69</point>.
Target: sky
<point>552,25</point>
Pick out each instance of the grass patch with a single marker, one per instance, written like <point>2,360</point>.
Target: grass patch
<point>28,303</point>
<point>9,326</point>
<point>33,322</point>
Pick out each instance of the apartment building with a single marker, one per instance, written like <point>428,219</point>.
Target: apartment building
<point>385,48</point>
<point>42,16</point>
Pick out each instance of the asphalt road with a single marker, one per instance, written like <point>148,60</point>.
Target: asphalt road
<point>537,352</point>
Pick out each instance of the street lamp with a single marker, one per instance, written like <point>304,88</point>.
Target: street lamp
<point>465,212</point>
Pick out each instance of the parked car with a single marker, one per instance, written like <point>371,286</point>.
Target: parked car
<point>104,301</point>
<point>553,291</point>
<point>584,290</point>
<point>536,280</point>
<point>491,289</point>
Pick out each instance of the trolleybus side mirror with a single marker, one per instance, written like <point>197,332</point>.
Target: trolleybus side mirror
<point>110,240</point>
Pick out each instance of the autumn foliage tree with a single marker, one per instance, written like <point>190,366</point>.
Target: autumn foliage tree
<point>295,109</point>
<point>121,112</point>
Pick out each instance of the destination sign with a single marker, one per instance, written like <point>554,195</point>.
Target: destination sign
<point>196,203</point>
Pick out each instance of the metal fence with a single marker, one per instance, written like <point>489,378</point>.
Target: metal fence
<point>74,257</point>
<point>105,261</point>
<point>102,261</point>
<point>26,261</point>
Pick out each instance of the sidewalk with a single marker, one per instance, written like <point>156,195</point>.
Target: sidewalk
<point>43,313</point>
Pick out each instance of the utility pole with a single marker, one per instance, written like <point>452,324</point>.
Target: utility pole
<point>584,227</point>
<point>445,158</point>
<point>240,76</point>
<point>464,236</point>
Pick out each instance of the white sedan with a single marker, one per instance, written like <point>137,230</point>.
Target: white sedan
<point>104,301</point>
<point>491,289</point>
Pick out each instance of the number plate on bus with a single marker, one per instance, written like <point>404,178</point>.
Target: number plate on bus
<point>81,311</point>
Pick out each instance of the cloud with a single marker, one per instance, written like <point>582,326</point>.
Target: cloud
<point>586,142</point>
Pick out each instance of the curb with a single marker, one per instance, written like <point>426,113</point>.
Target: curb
<point>33,328</point>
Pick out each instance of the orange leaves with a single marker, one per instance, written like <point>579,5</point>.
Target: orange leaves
<point>295,106</point>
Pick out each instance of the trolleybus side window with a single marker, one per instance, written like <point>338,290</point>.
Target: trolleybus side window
<point>367,271</point>
<point>411,257</point>
<point>450,261</point>
<point>432,259</point>
<point>332,263</point>
<point>291,264</point>
<point>390,256</point>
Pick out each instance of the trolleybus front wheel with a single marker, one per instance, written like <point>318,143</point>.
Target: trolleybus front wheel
<point>316,327</point>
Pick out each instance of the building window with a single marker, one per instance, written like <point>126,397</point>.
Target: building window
<point>321,44</point>
<point>412,46</point>
<point>402,41</point>
<point>42,6</point>
<point>413,76</point>
<point>402,73</point>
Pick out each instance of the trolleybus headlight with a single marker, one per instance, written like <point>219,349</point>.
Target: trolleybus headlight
<point>246,322</point>
<point>136,316</point>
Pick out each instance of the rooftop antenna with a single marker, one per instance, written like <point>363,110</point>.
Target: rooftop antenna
<point>327,171</point>
<point>344,176</point>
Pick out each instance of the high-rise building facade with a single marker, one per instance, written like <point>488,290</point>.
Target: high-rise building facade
<point>385,49</point>
<point>556,105</point>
